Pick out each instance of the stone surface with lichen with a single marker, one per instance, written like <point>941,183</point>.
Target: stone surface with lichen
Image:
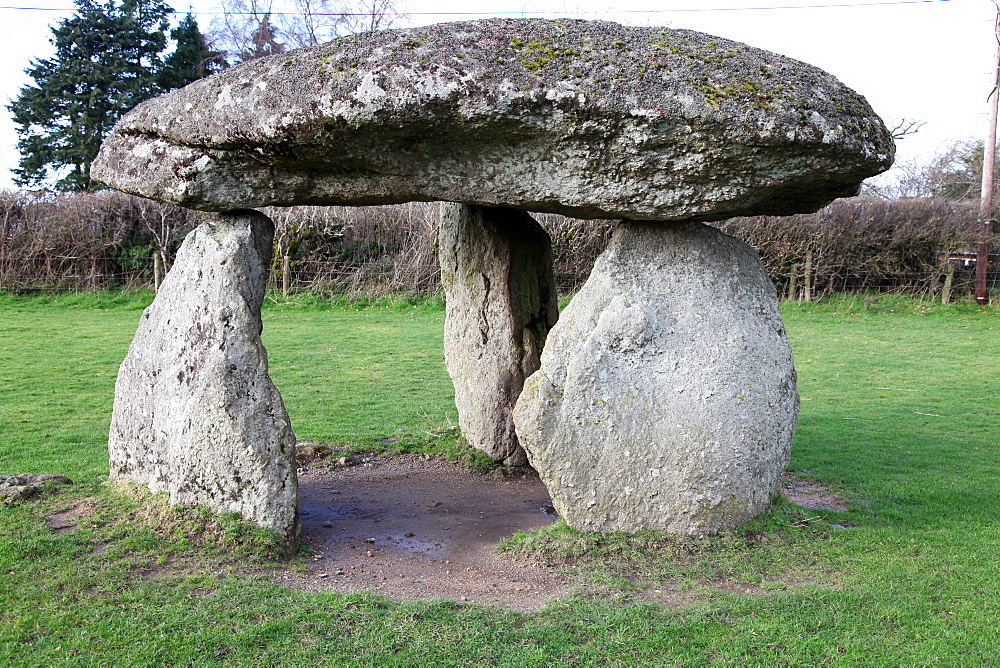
<point>666,397</point>
<point>496,272</point>
<point>195,413</point>
<point>590,119</point>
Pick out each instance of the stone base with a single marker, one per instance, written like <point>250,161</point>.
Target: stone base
<point>496,269</point>
<point>195,412</point>
<point>666,398</point>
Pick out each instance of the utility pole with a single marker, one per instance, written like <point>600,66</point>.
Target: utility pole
<point>986,188</point>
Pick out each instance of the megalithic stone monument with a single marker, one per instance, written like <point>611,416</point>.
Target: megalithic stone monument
<point>196,414</point>
<point>666,397</point>
<point>496,270</point>
<point>584,118</point>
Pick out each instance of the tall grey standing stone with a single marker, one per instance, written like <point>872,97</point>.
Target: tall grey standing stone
<point>666,398</point>
<point>496,269</point>
<point>195,413</point>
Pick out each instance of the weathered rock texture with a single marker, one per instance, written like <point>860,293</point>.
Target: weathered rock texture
<point>589,119</point>
<point>666,397</point>
<point>496,269</point>
<point>195,412</point>
<point>19,487</point>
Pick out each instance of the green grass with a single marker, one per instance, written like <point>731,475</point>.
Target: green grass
<point>900,414</point>
<point>356,376</point>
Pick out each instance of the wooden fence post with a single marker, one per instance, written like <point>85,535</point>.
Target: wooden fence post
<point>793,279</point>
<point>949,278</point>
<point>157,271</point>
<point>808,277</point>
<point>286,275</point>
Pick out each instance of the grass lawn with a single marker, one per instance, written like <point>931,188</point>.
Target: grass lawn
<point>900,414</point>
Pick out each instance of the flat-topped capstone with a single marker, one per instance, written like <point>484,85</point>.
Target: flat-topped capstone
<point>585,118</point>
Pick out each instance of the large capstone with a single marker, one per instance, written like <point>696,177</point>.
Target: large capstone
<point>195,412</point>
<point>666,397</point>
<point>584,118</point>
<point>496,269</point>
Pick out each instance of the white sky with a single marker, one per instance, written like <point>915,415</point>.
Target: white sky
<point>929,60</point>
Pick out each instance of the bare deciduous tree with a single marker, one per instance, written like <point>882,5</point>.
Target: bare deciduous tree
<point>905,127</point>
<point>372,15</point>
<point>953,173</point>
<point>251,29</point>
<point>314,22</point>
<point>246,30</point>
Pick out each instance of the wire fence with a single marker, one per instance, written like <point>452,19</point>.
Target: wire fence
<point>75,274</point>
<point>327,278</point>
<point>108,241</point>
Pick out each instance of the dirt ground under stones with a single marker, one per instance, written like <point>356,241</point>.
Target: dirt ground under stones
<point>416,529</point>
<point>812,495</point>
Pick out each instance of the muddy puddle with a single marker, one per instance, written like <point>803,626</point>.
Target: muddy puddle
<point>413,529</point>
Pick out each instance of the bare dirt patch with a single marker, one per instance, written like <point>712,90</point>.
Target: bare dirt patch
<point>775,584</point>
<point>68,520</point>
<point>812,495</point>
<point>668,596</point>
<point>414,529</point>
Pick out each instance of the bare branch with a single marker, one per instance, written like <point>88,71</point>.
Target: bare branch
<point>906,127</point>
<point>253,28</point>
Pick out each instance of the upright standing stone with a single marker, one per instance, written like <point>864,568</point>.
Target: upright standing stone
<point>195,412</point>
<point>666,397</point>
<point>496,268</point>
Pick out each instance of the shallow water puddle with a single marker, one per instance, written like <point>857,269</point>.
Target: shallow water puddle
<point>415,529</point>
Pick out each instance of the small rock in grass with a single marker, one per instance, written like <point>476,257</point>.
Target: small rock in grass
<point>12,493</point>
<point>19,487</point>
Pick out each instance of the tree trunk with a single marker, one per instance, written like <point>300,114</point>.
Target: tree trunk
<point>157,271</point>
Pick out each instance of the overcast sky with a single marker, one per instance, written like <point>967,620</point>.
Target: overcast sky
<point>928,60</point>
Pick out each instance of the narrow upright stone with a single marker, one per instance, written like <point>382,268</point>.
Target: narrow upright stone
<point>195,413</point>
<point>666,397</point>
<point>496,268</point>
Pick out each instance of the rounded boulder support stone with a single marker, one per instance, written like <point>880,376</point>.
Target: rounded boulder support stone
<point>496,269</point>
<point>666,397</point>
<point>196,414</point>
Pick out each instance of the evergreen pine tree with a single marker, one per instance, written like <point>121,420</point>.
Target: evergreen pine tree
<point>191,60</point>
<point>106,61</point>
